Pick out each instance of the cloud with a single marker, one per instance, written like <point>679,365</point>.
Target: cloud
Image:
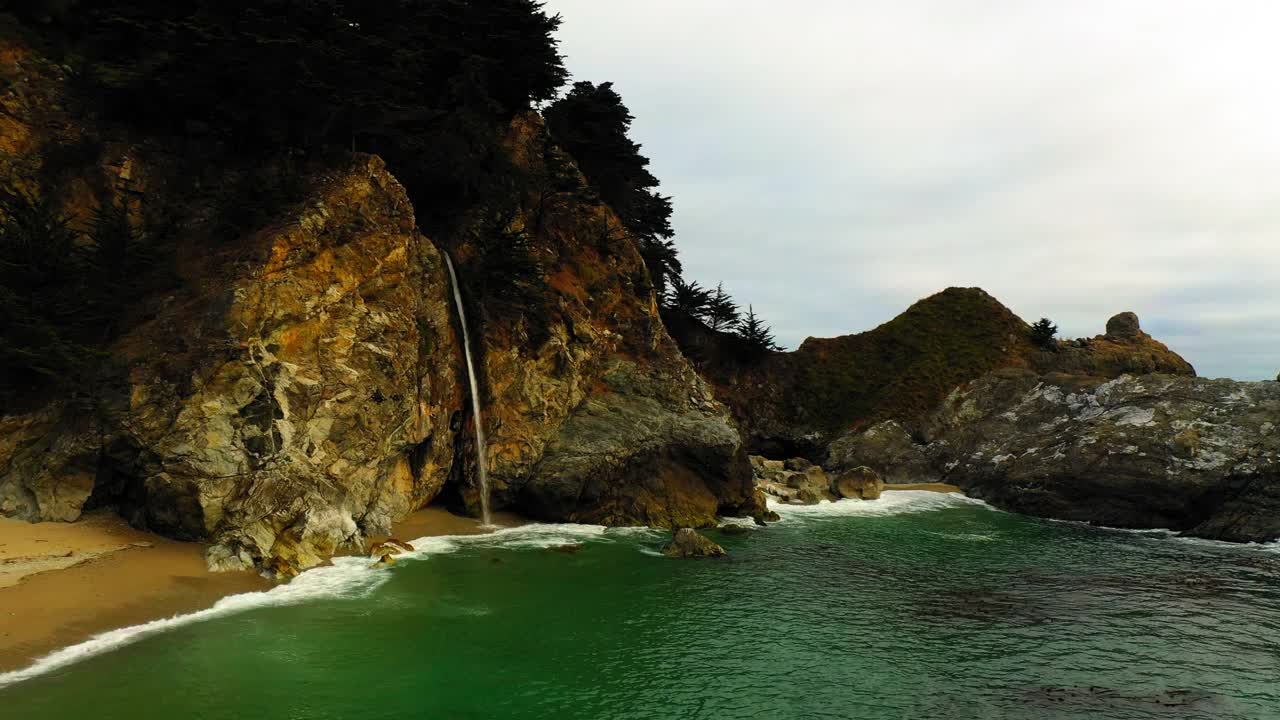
<point>833,161</point>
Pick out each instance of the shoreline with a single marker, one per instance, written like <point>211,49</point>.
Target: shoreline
<point>64,583</point>
<point>928,487</point>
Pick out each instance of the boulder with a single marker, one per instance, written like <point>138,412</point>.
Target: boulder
<point>797,464</point>
<point>689,543</point>
<point>887,448</point>
<point>390,546</point>
<point>1123,327</point>
<point>860,483</point>
<point>808,496</point>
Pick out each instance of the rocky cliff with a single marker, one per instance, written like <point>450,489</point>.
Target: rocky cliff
<point>1138,451</point>
<point>797,403</point>
<point>598,417</point>
<point>284,409</point>
<point>299,384</point>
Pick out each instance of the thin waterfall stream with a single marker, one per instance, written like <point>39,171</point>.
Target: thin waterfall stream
<point>481,464</point>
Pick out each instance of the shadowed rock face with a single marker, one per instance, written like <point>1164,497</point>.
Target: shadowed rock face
<point>284,413</point>
<point>600,418</point>
<point>301,388</point>
<point>1190,454</point>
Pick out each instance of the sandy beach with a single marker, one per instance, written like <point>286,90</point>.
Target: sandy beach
<point>63,583</point>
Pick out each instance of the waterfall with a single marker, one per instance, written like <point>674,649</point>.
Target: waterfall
<point>475,393</point>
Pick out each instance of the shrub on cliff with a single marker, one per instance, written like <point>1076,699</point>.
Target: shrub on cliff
<point>1043,333</point>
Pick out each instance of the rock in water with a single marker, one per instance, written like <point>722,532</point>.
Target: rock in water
<point>689,543</point>
<point>861,483</point>
<point>1156,451</point>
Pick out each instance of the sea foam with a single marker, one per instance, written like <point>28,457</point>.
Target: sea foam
<point>893,502</point>
<point>345,577</point>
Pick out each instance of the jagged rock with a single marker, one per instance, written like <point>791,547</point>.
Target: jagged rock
<point>808,496</point>
<point>1125,349</point>
<point>1123,326</point>
<point>861,483</point>
<point>809,486</point>
<point>886,448</point>
<point>48,463</point>
<point>1186,444</point>
<point>390,546</point>
<point>283,411</point>
<point>689,543</point>
<point>1157,451</point>
<point>301,388</point>
<point>598,417</point>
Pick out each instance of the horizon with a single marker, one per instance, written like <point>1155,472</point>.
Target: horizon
<point>891,153</point>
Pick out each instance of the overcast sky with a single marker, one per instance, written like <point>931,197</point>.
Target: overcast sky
<point>832,161</point>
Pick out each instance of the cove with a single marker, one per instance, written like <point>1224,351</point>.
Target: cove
<point>918,605</point>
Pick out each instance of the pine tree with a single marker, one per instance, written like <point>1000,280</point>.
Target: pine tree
<point>722,311</point>
<point>689,298</point>
<point>593,124</point>
<point>1043,332</point>
<point>757,336</point>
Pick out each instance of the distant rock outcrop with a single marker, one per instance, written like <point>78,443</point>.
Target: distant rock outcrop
<point>1124,349</point>
<point>798,403</point>
<point>795,403</point>
<point>1157,451</point>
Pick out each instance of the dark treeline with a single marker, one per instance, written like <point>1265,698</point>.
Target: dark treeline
<point>429,85</point>
<point>593,125</point>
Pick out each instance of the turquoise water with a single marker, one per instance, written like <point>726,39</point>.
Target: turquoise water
<point>915,606</point>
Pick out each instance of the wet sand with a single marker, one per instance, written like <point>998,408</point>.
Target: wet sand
<point>63,583</point>
<point>929,487</point>
<point>436,521</point>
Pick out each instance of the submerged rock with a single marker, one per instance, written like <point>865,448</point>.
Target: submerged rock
<point>390,546</point>
<point>689,543</point>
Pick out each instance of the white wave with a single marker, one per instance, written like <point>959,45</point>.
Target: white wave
<point>897,502</point>
<point>1166,534</point>
<point>535,535</point>
<point>346,577</point>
